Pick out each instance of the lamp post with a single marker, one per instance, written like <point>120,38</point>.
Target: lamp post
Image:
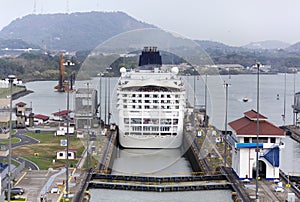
<point>294,114</point>
<point>284,99</point>
<point>10,79</point>
<point>205,104</point>
<point>226,109</point>
<point>257,135</point>
<point>105,101</point>
<point>67,149</point>
<point>108,106</point>
<point>88,133</point>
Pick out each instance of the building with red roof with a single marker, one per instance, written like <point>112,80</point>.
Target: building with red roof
<point>21,104</point>
<point>61,115</point>
<point>244,138</point>
<point>40,119</point>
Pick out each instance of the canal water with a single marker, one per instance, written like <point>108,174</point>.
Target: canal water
<point>275,101</point>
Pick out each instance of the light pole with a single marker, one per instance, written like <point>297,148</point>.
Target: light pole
<point>67,149</point>
<point>226,109</point>
<point>284,99</point>
<point>10,79</point>
<point>89,125</point>
<point>205,104</point>
<point>257,134</point>
<point>108,106</point>
<point>294,114</point>
<point>105,101</point>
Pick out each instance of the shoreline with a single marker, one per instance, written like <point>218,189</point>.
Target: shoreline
<point>21,94</point>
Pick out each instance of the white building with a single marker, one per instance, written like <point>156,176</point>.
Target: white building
<point>61,154</point>
<point>244,138</point>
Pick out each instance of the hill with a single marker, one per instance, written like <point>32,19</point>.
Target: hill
<point>268,44</point>
<point>76,31</point>
<point>294,48</point>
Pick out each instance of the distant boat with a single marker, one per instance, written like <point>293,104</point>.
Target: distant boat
<point>245,99</point>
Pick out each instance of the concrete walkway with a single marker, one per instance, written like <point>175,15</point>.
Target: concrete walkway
<point>50,181</point>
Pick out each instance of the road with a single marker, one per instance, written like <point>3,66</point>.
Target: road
<point>24,140</point>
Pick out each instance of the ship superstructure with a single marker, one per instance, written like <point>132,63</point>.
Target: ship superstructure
<point>151,104</point>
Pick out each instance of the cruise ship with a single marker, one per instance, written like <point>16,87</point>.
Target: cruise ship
<point>151,103</point>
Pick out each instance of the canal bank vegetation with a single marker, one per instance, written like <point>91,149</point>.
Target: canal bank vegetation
<point>43,154</point>
<point>5,92</point>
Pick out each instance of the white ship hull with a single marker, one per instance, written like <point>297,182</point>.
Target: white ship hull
<point>150,141</point>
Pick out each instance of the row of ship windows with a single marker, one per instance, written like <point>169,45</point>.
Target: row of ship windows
<point>157,134</point>
<point>153,101</point>
<point>149,107</point>
<point>151,95</point>
<point>163,113</point>
<point>151,121</point>
<point>152,128</point>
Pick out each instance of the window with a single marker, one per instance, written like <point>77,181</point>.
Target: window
<point>69,154</point>
<point>246,140</point>
<point>126,120</point>
<point>273,139</point>
<point>61,154</point>
<point>261,140</point>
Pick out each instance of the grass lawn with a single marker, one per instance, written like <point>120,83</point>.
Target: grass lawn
<point>4,92</point>
<point>13,140</point>
<point>43,153</point>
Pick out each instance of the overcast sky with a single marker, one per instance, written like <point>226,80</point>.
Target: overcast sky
<point>233,22</point>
